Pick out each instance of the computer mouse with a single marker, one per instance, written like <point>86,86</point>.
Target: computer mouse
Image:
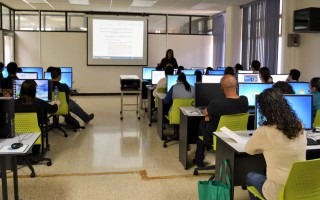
<point>16,145</point>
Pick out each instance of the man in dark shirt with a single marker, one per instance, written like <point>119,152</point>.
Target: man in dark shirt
<point>62,87</point>
<point>231,104</point>
<point>6,83</point>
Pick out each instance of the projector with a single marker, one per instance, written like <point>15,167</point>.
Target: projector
<point>129,82</point>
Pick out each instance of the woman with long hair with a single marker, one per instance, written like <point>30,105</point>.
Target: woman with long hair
<point>169,60</point>
<point>280,138</point>
<point>264,74</point>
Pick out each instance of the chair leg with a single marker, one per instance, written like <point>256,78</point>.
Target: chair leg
<point>211,167</point>
<point>56,124</point>
<point>174,137</point>
<point>26,160</point>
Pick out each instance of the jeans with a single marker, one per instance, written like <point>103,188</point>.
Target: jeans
<point>257,180</point>
<point>77,110</point>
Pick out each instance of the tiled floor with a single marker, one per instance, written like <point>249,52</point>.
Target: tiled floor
<point>112,159</point>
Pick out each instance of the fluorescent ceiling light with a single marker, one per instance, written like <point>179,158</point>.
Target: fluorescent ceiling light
<point>143,3</point>
<point>29,4</point>
<point>203,6</point>
<point>79,2</point>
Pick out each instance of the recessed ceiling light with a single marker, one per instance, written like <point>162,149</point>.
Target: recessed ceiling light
<point>203,6</point>
<point>143,3</point>
<point>79,2</point>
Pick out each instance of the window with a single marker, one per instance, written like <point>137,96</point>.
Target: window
<point>157,24</point>
<point>6,18</point>
<point>178,24</point>
<point>201,25</point>
<point>53,21</point>
<point>77,22</point>
<point>27,20</point>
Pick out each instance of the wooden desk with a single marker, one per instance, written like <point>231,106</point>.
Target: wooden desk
<point>160,115</point>
<point>240,162</point>
<point>28,139</point>
<point>188,132</point>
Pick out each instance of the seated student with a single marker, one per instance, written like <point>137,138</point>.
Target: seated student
<point>27,102</point>
<point>6,83</point>
<point>283,87</point>
<point>264,75</point>
<point>229,70</point>
<point>231,104</point>
<point>73,106</point>
<point>179,71</point>
<point>255,66</point>
<point>280,138</point>
<point>238,67</point>
<point>182,89</point>
<point>162,83</point>
<point>293,76</point>
<point>315,91</point>
<point>198,76</point>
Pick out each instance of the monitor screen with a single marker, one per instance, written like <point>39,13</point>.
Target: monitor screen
<point>5,72</point>
<point>302,106</point>
<point>66,69</point>
<point>44,90</point>
<point>27,75</point>
<point>211,78</point>
<point>66,77</point>
<point>245,72</point>
<point>39,70</point>
<point>300,87</point>
<point>146,73</point>
<point>205,92</point>
<point>156,76</point>
<point>172,79</point>
<point>188,71</point>
<point>250,90</point>
<point>279,77</point>
<point>216,72</point>
<point>249,78</point>
<point>221,68</point>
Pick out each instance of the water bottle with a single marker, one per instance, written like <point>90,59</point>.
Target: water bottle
<point>56,93</point>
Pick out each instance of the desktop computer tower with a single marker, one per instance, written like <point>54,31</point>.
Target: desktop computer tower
<point>6,117</point>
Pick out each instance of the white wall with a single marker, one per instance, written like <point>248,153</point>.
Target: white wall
<point>1,49</point>
<point>70,49</point>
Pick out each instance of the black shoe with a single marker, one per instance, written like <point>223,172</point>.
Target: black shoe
<point>199,164</point>
<point>91,116</point>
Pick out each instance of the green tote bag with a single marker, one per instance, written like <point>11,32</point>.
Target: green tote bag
<point>216,189</point>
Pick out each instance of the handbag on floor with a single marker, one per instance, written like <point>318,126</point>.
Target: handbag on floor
<point>216,189</point>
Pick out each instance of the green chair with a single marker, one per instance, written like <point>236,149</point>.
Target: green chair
<point>302,182</point>
<point>235,122</point>
<point>28,123</point>
<point>316,121</point>
<point>174,116</point>
<point>63,110</point>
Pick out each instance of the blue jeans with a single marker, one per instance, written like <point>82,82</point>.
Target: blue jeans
<point>257,180</point>
<point>77,110</point>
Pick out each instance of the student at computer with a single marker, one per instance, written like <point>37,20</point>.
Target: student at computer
<point>28,102</point>
<point>73,106</point>
<point>6,83</point>
<point>169,60</point>
<point>230,104</point>
<point>238,67</point>
<point>283,87</point>
<point>208,69</point>
<point>315,91</point>
<point>182,89</point>
<point>264,74</point>
<point>229,70</point>
<point>179,71</point>
<point>198,76</point>
<point>293,75</point>
<point>280,138</point>
<point>255,66</point>
<point>162,83</point>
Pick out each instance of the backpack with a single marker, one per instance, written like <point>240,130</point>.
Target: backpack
<point>73,123</point>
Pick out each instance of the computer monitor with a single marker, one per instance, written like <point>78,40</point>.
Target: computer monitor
<point>250,90</point>
<point>66,69</point>
<point>279,77</point>
<point>211,78</point>
<point>302,106</point>
<point>5,72</point>
<point>66,77</point>
<point>216,72</point>
<point>39,70</point>
<point>172,79</point>
<point>221,68</point>
<point>156,76</point>
<point>146,73</point>
<point>205,92</point>
<point>300,87</point>
<point>27,75</point>
<point>7,117</point>
<point>249,78</point>
<point>44,89</point>
<point>245,72</point>
<point>188,71</point>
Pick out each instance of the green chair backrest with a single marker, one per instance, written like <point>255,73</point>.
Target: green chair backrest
<point>27,123</point>
<point>303,181</point>
<point>63,108</point>
<point>174,113</point>
<point>235,122</point>
<point>316,121</point>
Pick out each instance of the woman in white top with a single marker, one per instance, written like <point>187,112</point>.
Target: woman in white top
<point>280,138</point>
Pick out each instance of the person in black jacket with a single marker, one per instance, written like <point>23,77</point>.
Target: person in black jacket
<point>169,60</point>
